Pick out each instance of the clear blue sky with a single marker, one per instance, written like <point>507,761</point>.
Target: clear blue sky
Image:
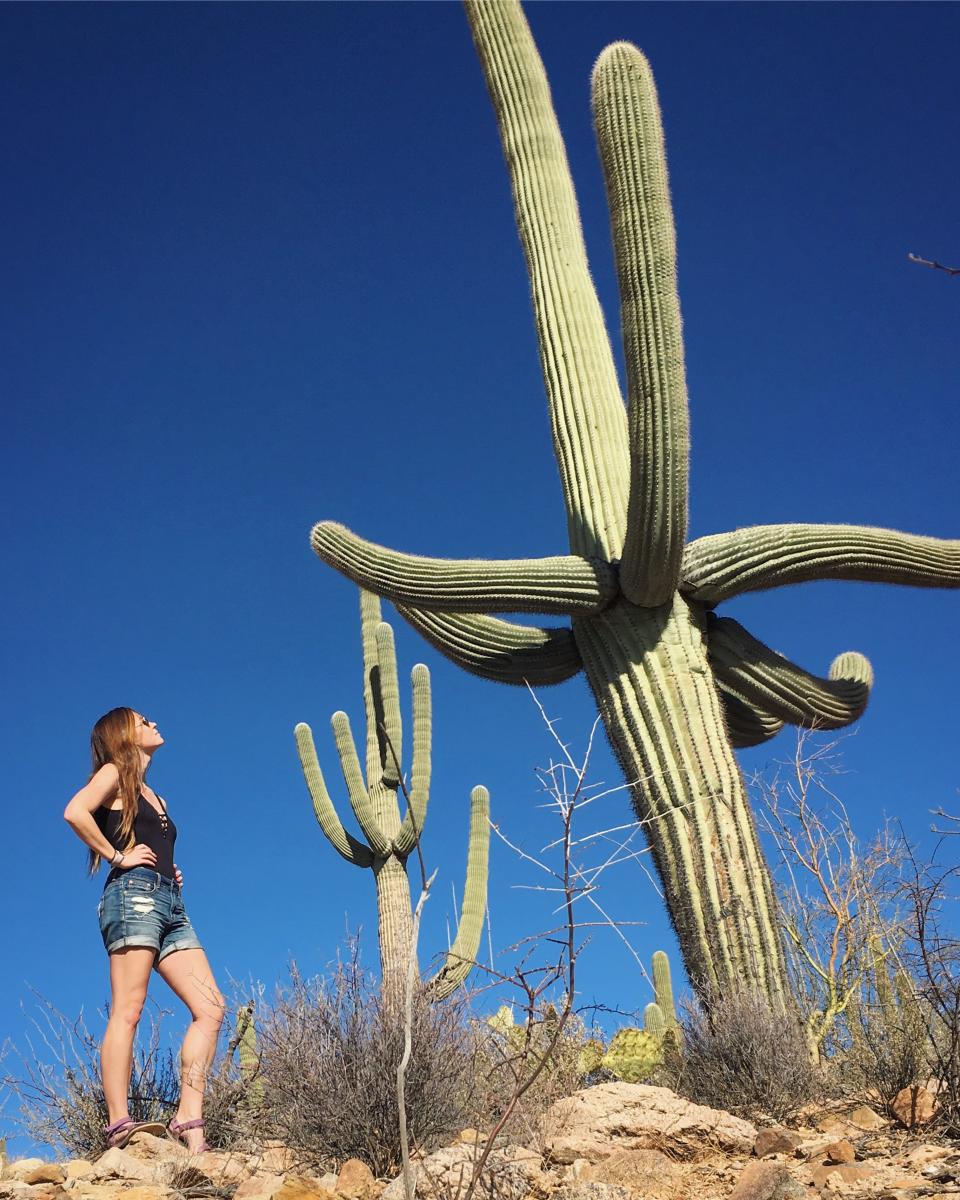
<point>260,268</point>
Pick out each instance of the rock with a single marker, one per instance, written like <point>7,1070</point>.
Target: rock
<point>277,1160</point>
<point>120,1164</point>
<point>12,1189</point>
<point>637,1170</point>
<point>260,1186</point>
<point>848,1173</point>
<point>78,1168</point>
<point>45,1173</point>
<point>766,1181</point>
<point>829,1123</point>
<point>355,1180</point>
<point>776,1141</point>
<point>328,1181</point>
<point>596,1122</point>
<point>578,1168</point>
<point>471,1136</point>
<point>146,1147</point>
<point>302,1187</point>
<point>220,1167</point>
<point>510,1174</point>
<point>913,1106</point>
<point>22,1167</point>
<point>144,1192</point>
<point>584,1190</point>
<point>840,1152</point>
<point>865,1118</point>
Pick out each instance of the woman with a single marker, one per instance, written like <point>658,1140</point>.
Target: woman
<point>143,921</point>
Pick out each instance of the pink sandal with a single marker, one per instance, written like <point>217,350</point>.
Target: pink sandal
<point>176,1131</point>
<point>120,1132</point>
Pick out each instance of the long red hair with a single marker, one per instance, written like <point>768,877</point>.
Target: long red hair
<point>114,740</point>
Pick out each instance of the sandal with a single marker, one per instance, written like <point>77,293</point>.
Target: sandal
<point>120,1132</point>
<point>176,1131</point>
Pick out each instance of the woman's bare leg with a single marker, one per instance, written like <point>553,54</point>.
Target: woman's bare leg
<point>189,975</point>
<point>129,975</point>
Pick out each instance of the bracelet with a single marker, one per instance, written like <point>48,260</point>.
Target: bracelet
<point>117,859</point>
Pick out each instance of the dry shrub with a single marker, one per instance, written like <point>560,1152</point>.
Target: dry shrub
<point>742,1055</point>
<point>509,1057</point>
<point>61,1096</point>
<point>329,1050</point>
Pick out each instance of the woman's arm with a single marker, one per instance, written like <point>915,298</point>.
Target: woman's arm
<point>79,812</point>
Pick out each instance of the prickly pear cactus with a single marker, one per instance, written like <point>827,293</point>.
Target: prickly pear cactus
<point>678,687</point>
<point>633,1054</point>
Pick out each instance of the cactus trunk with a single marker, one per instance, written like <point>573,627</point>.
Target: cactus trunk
<point>395,925</point>
<point>649,673</point>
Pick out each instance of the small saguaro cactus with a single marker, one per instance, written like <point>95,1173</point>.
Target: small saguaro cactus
<point>246,1036</point>
<point>679,689</point>
<point>390,840</point>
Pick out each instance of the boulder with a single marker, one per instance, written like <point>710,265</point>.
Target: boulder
<point>116,1163</point>
<point>579,1189</point>
<point>640,1171</point>
<point>146,1147</point>
<point>277,1160</point>
<point>510,1174</point>
<point>45,1173</point>
<point>865,1118</point>
<point>766,1181</point>
<point>599,1121</point>
<point>776,1141</point>
<point>21,1167</point>
<point>302,1187</point>
<point>840,1152</point>
<point>260,1186</point>
<point>830,1175</point>
<point>355,1180</point>
<point>78,1168</point>
<point>913,1106</point>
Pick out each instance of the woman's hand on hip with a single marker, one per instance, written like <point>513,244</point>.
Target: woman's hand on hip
<point>140,856</point>
<point>177,875</point>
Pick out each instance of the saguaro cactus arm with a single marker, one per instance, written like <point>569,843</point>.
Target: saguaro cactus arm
<point>416,815</point>
<point>563,584</point>
<point>463,953</point>
<point>630,137</point>
<point>767,556</point>
<point>746,724</point>
<point>776,685</point>
<point>496,649</point>
<point>343,842</point>
<point>360,800</point>
<point>586,409</point>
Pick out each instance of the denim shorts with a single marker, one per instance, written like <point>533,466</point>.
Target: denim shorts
<point>141,907</point>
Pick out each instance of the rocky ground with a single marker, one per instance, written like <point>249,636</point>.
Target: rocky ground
<point>617,1141</point>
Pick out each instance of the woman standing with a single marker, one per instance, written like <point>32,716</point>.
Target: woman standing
<point>142,920</point>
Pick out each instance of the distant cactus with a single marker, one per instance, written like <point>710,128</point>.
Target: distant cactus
<point>246,1036</point>
<point>389,840</point>
<point>678,687</point>
<point>634,1054</point>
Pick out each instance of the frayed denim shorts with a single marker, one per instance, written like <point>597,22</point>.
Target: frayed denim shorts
<point>141,907</point>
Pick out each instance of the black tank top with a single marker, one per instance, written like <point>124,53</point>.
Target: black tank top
<point>153,829</point>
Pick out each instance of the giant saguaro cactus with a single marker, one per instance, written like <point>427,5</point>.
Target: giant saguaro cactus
<point>390,840</point>
<point>678,687</point>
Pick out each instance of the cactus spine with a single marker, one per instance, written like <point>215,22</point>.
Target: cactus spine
<point>388,839</point>
<point>677,689</point>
